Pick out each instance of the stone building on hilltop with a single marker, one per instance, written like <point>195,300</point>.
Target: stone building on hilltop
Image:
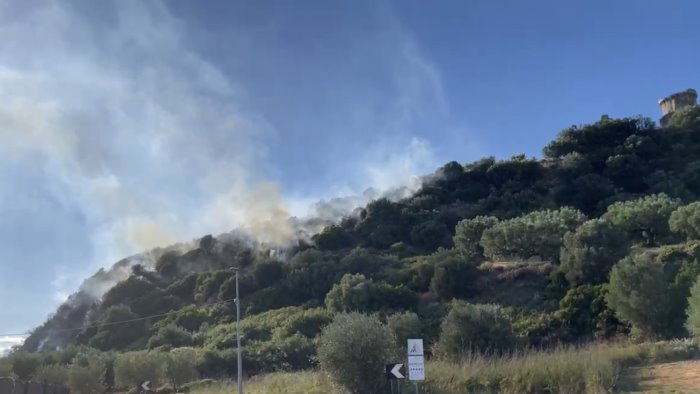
<point>674,102</point>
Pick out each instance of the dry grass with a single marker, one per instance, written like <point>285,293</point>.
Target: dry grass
<point>277,383</point>
<point>676,377</point>
<point>594,369</point>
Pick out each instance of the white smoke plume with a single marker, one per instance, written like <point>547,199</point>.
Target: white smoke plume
<point>147,143</point>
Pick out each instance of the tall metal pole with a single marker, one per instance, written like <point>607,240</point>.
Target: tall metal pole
<point>238,338</point>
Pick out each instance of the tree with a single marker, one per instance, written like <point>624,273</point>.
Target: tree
<point>267,273</point>
<point>86,379</point>
<point>588,254</point>
<point>133,368</point>
<point>24,364</point>
<point>537,233</point>
<point>468,234</point>
<point>639,294</point>
<point>382,224</point>
<point>686,220</point>
<point>353,349</point>
<point>333,237</point>
<point>454,275</point>
<point>645,219</point>
<point>52,373</point>
<point>473,327</point>
<point>180,367</point>
<point>430,234</point>
<point>170,335</point>
<point>356,293</point>
<point>117,336</point>
<point>404,326</point>
<point>693,312</point>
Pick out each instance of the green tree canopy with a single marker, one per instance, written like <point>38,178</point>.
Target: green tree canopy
<point>475,327</point>
<point>537,233</point>
<point>645,219</point>
<point>639,294</point>
<point>588,254</point>
<point>353,350</point>
<point>686,220</point>
<point>468,234</point>
<point>454,275</point>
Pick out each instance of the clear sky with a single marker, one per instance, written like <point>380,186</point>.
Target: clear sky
<point>130,124</point>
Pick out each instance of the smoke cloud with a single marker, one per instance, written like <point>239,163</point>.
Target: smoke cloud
<point>118,136</point>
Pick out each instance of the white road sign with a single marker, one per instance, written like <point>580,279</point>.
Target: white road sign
<point>416,360</point>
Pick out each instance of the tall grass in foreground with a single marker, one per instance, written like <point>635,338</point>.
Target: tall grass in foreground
<point>306,382</point>
<point>592,369</point>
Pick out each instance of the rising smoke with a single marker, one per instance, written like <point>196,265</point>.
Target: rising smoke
<point>151,144</point>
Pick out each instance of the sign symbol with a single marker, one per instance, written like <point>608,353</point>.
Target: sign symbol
<point>394,371</point>
<point>146,386</point>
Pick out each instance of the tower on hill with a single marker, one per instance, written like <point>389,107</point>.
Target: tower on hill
<point>674,102</point>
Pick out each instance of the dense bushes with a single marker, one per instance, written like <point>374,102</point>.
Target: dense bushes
<point>588,254</point>
<point>639,294</point>
<point>479,328</point>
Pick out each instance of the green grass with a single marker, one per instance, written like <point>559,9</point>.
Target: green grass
<point>592,369</point>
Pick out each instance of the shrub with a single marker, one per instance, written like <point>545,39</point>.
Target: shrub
<point>171,335</point>
<point>404,326</point>
<point>468,234</point>
<point>353,350</point>
<point>588,254</point>
<point>454,275</point>
<point>267,273</point>
<point>133,368</point>
<point>52,373</point>
<point>180,367</point>
<point>686,220</point>
<point>24,364</point>
<point>357,293</point>
<point>86,379</point>
<point>639,294</point>
<point>472,327</point>
<point>693,312</point>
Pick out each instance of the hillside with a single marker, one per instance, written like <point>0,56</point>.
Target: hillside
<point>537,237</point>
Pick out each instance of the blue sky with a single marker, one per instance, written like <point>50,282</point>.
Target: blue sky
<point>127,124</point>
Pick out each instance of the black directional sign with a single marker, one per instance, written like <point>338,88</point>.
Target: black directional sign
<point>395,371</point>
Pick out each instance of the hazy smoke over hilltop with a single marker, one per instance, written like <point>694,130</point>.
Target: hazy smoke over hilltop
<point>116,137</point>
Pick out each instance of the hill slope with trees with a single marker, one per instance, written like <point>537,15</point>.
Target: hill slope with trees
<point>598,239</point>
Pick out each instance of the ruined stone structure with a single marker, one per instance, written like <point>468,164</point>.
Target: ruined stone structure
<point>675,102</point>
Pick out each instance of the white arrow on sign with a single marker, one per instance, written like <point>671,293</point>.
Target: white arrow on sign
<point>146,385</point>
<point>396,371</point>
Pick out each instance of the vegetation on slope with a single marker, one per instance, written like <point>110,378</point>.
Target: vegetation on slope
<point>557,248</point>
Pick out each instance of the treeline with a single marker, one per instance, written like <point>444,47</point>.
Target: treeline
<point>599,239</point>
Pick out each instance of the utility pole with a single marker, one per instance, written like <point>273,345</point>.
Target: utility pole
<point>238,336</point>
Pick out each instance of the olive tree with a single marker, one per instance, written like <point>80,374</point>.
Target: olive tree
<point>180,367</point>
<point>133,368</point>
<point>353,349</point>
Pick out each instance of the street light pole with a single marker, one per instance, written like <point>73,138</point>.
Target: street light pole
<point>238,337</point>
